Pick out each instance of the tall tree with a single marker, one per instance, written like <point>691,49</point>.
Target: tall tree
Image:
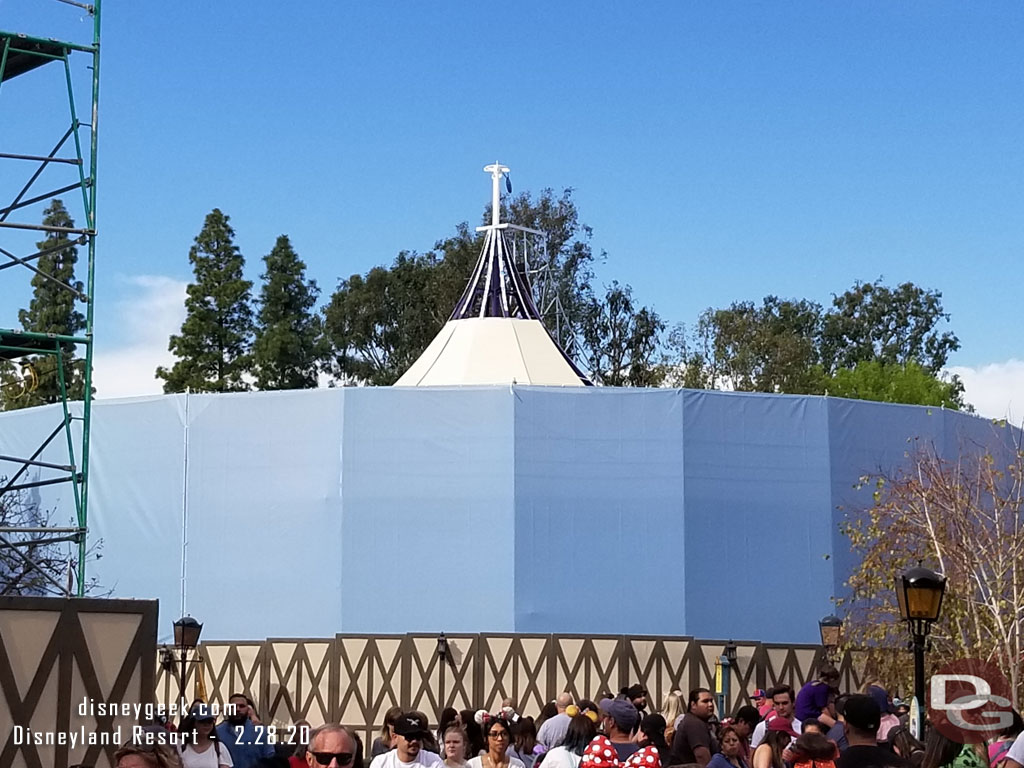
<point>872,321</point>
<point>378,324</point>
<point>213,348</point>
<point>751,348</point>
<point>875,343</point>
<point>964,518</point>
<point>53,309</point>
<point>288,348</point>
<point>621,341</point>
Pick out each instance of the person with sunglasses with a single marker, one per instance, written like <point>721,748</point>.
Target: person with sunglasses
<point>331,746</point>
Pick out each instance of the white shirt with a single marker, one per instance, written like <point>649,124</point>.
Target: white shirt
<point>758,736</point>
<point>1016,752</point>
<point>513,762</point>
<point>207,758</point>
<point>425,759</point>
<point>560,757</point>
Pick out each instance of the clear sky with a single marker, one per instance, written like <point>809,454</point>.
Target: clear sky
<point>721,151</point>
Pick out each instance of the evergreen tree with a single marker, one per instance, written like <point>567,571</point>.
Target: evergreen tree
<point>289,345</point>
<point>213,348</point>
<point>53,309</point>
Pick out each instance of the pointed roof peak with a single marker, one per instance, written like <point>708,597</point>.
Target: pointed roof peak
<point>497,287</point>
<point>495,334</point>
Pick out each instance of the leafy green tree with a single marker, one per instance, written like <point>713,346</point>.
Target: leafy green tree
<point>288,346</point>
<point>751,348</point>
<point>875,343</point>
<point>53,309</point>
<point>894,383</point>
<point>378,324</point>
<point>897,325</point>
<point>213,348</point>
<point>621,341</point>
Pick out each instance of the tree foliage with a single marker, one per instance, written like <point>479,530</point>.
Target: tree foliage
<point>288,347</point>
<point>378,324</point>
<point>874,342</point>
<point>621,341</point>
<point>964,518</point>
<point>891,325</point>
<point>895,383</point>
<point>53,309</point>
<point>213,348</point>
<point>766,348</point>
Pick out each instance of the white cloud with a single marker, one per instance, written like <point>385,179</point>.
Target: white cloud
<point>153,311</point>
<point>995,390</point>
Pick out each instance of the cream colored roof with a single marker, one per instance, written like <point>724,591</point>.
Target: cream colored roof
<point>491,350</point>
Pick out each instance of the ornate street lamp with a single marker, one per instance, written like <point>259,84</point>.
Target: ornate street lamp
<point>919,594</point>
<point>442,647</point>
<point>186,637</point>
<point>831,629</point>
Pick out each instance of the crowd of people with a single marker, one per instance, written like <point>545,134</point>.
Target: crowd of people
<point>814,727</point>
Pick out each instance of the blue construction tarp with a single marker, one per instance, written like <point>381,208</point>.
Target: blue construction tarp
<point>486,509</point>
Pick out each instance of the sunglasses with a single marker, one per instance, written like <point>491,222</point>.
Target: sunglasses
<point>324,758</point>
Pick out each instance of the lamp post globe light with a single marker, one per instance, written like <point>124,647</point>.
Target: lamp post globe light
<point>919,594</point>
<point>831,629</point>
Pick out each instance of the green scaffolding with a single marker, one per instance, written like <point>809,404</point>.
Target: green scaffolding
<point>73,155</point>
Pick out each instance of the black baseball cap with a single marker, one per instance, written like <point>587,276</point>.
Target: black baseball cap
<point>862,712</point>
<point>411,725</point>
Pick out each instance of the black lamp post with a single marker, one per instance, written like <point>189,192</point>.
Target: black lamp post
<point>831,629</point>
<point>919,594</point>
<point>186,637</point>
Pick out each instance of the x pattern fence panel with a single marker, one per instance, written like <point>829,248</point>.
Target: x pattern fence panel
<point>355,679</point>
<point>62,659</point>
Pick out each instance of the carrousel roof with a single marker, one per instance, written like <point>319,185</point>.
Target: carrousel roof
<point>495,334</point>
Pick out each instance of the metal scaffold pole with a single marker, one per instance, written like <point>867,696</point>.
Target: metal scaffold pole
<point>41,366</point>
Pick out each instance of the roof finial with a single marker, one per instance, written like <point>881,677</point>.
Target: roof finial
<point>497,170</point>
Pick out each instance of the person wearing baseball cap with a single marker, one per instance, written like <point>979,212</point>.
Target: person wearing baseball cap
<point>409,728</point>
<point>619,719</point>
<point>861,717</point>
<point>759,698</point>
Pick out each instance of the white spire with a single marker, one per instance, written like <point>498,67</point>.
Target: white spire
<point>497,170</point>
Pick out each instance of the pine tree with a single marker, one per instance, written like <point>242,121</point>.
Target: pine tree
<point>289,344</point>
<point>213,348</point>
<point>53,309</point>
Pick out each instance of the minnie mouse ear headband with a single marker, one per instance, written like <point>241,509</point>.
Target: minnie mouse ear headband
<point>506,716</point>
<point>572,710</point>
<point>600,753</point>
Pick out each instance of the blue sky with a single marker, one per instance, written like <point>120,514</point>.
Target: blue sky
<point>721,151</point>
